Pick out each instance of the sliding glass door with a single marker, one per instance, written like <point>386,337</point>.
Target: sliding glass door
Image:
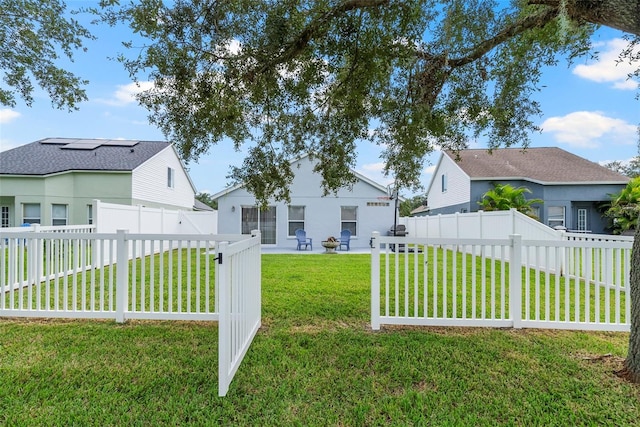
<point>265,221</point>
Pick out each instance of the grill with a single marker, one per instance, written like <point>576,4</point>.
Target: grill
<point>400,230</point>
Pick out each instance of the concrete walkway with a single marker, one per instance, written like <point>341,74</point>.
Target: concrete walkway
<point>315,251</point>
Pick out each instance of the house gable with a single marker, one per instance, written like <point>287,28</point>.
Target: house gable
<point>320,216</point>
<point>152,185</point>
<point>456,190</point>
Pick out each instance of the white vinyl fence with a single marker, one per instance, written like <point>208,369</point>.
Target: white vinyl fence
<point>110,217</point>
<point>478,225</point>
<point>138,276</point>
<point>492,225</point>
<point>37,228</point>
<point>508,282</point>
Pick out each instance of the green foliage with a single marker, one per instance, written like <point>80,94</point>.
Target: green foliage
<point>207,199</point>
<point>34,34</point>
<point>631,169</point>
<point>504,197</point>
<point>624,207</point>
<point>407,205</point>
<point>290,77</point>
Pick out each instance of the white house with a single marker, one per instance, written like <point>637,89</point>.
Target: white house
<point>362,209</point>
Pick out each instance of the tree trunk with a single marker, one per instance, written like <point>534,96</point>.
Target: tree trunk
<point>623,15</point>
<point>631,370</point>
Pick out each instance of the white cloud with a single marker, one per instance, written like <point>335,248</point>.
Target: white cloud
<point>429,170</point>
<point>7,115</point>
<point>373,167</point>
<point>374,171</point>
<point>607,70</point>
<point>588,129</point>
<point>234,46</point>
<point>126,94</point>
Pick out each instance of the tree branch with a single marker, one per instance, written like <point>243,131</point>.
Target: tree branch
<point>618,14</point>
<point>533,21</point>
<point>437,69</point>
<point>313,29</point>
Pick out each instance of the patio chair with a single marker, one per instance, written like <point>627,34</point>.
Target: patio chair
<point>345,238</point>
<point>303,240</point>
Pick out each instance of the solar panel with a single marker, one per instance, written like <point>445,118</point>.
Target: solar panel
<point>119,142</point>
<point>57,141</point>
<point>88,144</point>
<point>82,146</point>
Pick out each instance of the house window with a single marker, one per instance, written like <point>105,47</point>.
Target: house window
<point>555,216</point>
<point>349,219</point>
<point>89,214</point>
<point>263,220</point>
<point>31,213</point>
<point>171,178</point>
<point>296,219</point>
<point>58,214</point>
<point>582,219</point>
<point>444,183</point>
<point>4,216</point>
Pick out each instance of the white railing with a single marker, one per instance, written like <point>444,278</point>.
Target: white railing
<point>37,228</point>
<point>500,282</point>
<point>596,237</point>
<point>138,276</point>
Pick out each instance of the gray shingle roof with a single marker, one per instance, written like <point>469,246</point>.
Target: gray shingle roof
<point>540,164</point>
<point>49,156</point>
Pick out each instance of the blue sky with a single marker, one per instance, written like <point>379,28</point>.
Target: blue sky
<point>589,109</point>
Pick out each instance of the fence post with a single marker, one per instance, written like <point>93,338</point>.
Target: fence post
<point>375,281</point>
<point>258,272</point>
<point>36,261</point>
<point>515,281</point>
<point>224,320</point>
<point>122,275</point>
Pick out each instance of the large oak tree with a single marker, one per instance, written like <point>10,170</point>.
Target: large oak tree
<point>286,77</point>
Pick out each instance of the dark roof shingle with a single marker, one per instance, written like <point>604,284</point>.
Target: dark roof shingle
<point>49,156</point>
<point>541,164</point>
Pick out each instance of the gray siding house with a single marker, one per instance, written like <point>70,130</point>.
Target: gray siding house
<point>55,180</point>
<point>571,187</point>
<point>362,209</point>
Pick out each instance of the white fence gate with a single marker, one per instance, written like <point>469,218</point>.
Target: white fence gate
<point>138,276</point>
<point>568,284</point>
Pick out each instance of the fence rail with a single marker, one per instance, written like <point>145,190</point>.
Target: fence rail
<point>568,284</point>
<point>138,276</point>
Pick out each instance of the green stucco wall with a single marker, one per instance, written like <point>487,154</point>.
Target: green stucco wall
<point>77,190</point>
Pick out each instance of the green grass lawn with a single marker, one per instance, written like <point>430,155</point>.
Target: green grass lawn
<point>314,362</point>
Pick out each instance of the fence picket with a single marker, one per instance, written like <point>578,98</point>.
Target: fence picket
<point>566,284</point>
